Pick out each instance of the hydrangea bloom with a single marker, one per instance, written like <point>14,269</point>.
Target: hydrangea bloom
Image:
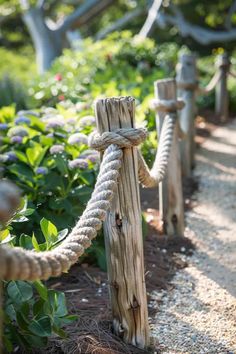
<point>41,170</point>
<point>17,131</point>
<point>91,155</point>
<point>16,139</point>
<point>56,149</point>
<point>93,158</point>
<point>55,122</point>
<point>28,112</point>
<point>3,126</point>
<point>11,156</point>
<point>22,120</point>
<point>78,163</point>
<point>87,121</point>
<point>78,138</point>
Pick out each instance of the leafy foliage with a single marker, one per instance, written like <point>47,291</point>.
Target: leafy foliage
<point>46,154</point>
<point>32,313</point>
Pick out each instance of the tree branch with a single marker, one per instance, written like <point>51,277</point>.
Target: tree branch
<point>152,14</point>
<point>40,3</point>
<point>120,23</point>
<point>84,13</point>
<point>201,35</point>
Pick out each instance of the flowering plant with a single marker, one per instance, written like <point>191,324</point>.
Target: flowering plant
<point>46,154</point>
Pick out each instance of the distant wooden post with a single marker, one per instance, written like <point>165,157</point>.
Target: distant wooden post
<point>171,203</point>
<point>1,316</point>
<point>123,233</point>
<point>186,78</point>
<point>222,96</point>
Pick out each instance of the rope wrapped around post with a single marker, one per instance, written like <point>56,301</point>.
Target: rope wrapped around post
<point>20,264</point>
<point>151,178</point>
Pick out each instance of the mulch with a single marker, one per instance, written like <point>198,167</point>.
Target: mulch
<point>86,286</point>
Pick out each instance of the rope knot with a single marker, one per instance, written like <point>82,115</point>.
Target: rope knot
<point>170,106</point>
<point>124,138</point>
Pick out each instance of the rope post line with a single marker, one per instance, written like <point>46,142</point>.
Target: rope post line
<point>1,317</point>
<point>171,203</point>
<point>186,78</point>
<point>221,92</point>
<point>123,232</point>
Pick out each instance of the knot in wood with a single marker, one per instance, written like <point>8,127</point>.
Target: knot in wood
<point>124,138</point>
<point>168,106</point>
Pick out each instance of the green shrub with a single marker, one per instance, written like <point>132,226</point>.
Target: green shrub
<point>18,65</point>
<point>46,154</point>
<point>32,313</point>
<point>12,92</point>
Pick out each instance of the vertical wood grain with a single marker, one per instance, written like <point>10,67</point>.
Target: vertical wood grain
<point>186,73</point>
<point>221,93</point>
<point>171,204</point>
<point>123,233</point>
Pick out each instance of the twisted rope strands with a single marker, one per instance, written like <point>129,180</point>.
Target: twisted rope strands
<point>151,178</point>
<point>21,264</point>
<point>211,85</point>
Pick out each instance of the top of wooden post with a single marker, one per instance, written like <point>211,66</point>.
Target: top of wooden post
<point>165,89</point>
<point>115,112</point>
<point>186,72</point>
<point>222,60</point>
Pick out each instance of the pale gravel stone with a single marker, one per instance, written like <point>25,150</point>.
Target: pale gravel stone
<point>199,315</point>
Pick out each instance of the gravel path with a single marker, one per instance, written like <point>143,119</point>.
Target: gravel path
<point>199,314</point>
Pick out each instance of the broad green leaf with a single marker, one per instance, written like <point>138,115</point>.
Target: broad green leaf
<point>59,332</point>
<point>26,242</point>
<point>49,231</point>
<point>41,289</point>
<point>22,321</point>
<point>21,156</point>
<point>4,234</point>
<point>58,303</point>
<point>35,243</point>
<point>19,291</point>
<point>41,327</point>
<point>36,341</point>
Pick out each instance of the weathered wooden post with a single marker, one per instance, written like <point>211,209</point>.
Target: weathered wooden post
<point>1,317</point>
<point>222,96</point>
<point>186,78</point>
<point>123,232</point>
<point>171,203</point>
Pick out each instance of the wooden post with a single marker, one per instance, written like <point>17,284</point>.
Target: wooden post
<point>221,95</point>
<point>123,233</point>
<point>171,203</point>
<point>1,317</point>
<point>186,77</point>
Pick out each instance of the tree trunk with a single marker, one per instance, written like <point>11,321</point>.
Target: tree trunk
<point>123,233</point>
<point>171,203</point>
<point>48,43</point>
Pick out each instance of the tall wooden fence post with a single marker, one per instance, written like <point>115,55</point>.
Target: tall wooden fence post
<point>186,78</point>
<point>171,203</point>
<point>123,233</point>
<point>222,96</point>
<point>1,317</point>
